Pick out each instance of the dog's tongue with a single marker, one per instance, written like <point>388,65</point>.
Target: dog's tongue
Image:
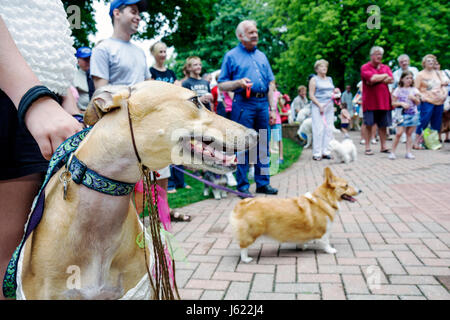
<point>209,151</point>
<point>348,198</point>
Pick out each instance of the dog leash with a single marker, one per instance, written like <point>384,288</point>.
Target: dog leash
<point>58,159</point>
<point>213,185</point>
<point>162,287</point>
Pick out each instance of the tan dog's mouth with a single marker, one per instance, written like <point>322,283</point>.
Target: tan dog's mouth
<point>348,198</point>
<point>210,158</point>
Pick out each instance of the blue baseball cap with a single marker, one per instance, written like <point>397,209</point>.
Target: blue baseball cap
<point>83,52</point>
<point>142,5</point>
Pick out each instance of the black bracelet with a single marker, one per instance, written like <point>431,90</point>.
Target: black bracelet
<point>31,96</point>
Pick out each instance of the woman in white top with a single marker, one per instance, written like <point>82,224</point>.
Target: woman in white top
<point>322,111</point>
<point>31,54</point>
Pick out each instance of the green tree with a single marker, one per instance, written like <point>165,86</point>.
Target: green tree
<point>218,37</point>
<point>86,19</point>
<point>339,31</point>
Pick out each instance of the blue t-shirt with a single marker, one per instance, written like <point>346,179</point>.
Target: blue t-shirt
<point>240,63</point>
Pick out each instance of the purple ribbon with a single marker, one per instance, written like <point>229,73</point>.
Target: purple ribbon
<point>215,186</point>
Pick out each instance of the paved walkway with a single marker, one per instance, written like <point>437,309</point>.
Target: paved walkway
<point>392,244</point>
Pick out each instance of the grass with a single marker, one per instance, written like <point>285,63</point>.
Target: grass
<point>184,197</point>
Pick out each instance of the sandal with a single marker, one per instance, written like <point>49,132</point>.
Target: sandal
<point>178,216</point>
<point>368,152</point>
<point>418,147</point>
<point>385,151</point>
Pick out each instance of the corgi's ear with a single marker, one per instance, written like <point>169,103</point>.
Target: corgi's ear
<point>329,177</point>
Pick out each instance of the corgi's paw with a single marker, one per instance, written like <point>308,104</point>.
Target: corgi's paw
<point>247,260</point>
<point>303,247</point>
<point>244,256</point>
<point>330,250</point>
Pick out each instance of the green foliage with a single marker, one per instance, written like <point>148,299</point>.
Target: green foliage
<point>87,21</point>
<point>216,39</point>
<point>338,32</point>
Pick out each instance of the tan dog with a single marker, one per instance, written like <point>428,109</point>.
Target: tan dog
<point>94,234</point>
<point>306,220</point>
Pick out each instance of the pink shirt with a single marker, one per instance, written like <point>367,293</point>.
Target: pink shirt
<point>376,96</point>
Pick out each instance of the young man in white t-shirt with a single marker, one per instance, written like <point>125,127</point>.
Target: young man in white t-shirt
<point>116,60</point>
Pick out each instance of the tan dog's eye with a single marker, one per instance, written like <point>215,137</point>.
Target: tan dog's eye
<point>197,103</point>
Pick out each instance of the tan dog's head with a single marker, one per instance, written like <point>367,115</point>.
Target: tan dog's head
<point>338,188</point>
<point>170,126</point>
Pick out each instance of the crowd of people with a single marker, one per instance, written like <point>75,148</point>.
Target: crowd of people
<point>404,103</point>
<point>244,90</point>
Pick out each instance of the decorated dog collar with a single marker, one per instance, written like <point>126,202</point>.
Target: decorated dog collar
<point>81,174</point>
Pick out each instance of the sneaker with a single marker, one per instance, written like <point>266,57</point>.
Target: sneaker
<point>373,141</point>
<point>362,141</point>
<point>392,156</point>
<point>409,155</point>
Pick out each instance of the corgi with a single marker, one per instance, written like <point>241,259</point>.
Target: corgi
<point>305,220</point>
<point>344,151</point>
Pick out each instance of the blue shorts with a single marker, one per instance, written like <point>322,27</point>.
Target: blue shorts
<point>382,118</point>
<point>344,125</point>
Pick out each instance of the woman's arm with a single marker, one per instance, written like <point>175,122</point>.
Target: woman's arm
<point>47,122</point>
<point>312,92</point>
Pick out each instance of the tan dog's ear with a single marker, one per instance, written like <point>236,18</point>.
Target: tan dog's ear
<point>104,100</point>
<point>329,177</point>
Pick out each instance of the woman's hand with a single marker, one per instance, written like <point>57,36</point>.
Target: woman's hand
<point>321,108</point>
<point>50,125</point>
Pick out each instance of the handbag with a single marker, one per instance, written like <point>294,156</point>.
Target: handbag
<point>431,139</point>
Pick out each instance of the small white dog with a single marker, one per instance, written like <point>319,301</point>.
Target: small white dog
<point>303,114</point>
<point>305,132</point>
<point>344,151</point>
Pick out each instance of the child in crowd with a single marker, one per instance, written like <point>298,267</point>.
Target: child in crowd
<point>275,135</point>
<point>284,108</point>
<point>406,96</point>
<point>196,83</point>
<point>345,119</point>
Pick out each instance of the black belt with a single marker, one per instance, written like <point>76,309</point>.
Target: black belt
<point>255,94</point>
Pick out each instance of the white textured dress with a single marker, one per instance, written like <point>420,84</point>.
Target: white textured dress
<point>42,33</point>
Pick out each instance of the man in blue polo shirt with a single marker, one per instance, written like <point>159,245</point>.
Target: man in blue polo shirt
<point>245,67</point>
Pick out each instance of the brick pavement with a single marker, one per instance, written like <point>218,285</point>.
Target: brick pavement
<point>392,244</point>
